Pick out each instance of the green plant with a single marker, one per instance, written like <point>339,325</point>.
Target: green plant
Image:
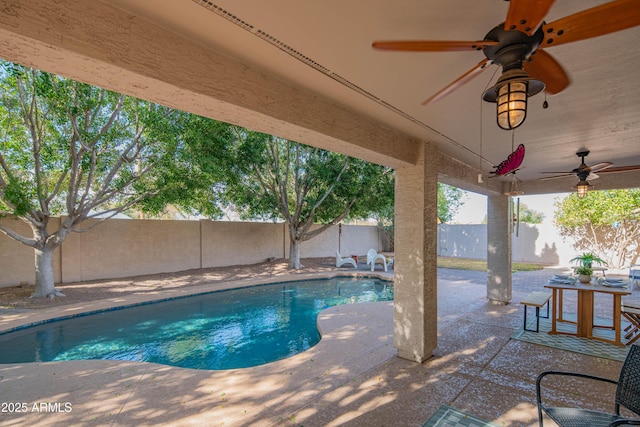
<point>584,270</point>
<point>587,258</point>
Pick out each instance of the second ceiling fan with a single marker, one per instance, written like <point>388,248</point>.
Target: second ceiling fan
<point>585,172</point>
<point>517,45</point>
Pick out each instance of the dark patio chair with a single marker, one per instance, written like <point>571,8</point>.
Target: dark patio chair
<point>632,314</point>
<point>627,395</point>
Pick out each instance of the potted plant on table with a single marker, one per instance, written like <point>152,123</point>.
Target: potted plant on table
<point>585,263</point>
<point>584,274</point>
<point>587,259</point>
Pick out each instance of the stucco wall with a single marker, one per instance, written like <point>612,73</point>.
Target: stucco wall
<point>234,243</point>
<point>124,248</point>
<point>541,243</point>
<point>530,243</point>
<point>462,241</point>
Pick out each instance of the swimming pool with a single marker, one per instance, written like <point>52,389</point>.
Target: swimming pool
<point>235,328</point>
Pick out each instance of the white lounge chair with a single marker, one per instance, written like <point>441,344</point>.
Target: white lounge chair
<point>344,261</point>
<point>373,256</point>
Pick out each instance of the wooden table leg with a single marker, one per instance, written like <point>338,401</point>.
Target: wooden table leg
<point>585,313</point>
<point>555,310</point>
<point>560,318</point>
<point>617,307</point>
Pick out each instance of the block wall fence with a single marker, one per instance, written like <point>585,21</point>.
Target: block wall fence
<point>127,247</point>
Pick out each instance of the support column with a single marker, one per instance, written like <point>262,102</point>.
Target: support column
<point>415,283</point>
<point>499,226</point>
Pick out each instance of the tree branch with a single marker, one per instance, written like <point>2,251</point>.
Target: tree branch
<point>31,242</point>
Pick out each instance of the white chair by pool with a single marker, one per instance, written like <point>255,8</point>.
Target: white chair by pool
<point>373,256</point>
<point>344,261</point>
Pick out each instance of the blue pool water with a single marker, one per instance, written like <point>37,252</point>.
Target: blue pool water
<point>229,329</point>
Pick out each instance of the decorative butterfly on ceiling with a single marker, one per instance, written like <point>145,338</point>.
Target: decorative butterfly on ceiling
<point>511,163</point>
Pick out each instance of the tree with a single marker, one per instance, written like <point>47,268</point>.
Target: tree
<point>529,215</point>
<point>196,169</point>
<point>603,222</point>
<point>279,179</point>
<point>77,151</point>
<point>450,199</point>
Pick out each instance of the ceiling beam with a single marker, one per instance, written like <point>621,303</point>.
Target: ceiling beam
<point>454,172</point>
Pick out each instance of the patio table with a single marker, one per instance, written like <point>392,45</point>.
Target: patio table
<point>584,321</point>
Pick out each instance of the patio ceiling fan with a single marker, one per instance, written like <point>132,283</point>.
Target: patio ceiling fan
<point>584,172</point>
<point>518,46</point>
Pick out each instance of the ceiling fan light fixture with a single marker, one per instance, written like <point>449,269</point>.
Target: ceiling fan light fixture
<point>583,188</point>
<point>512,105</point>
<point>510,93</point>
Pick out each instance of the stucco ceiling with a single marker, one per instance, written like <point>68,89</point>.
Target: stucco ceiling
<point>326,47</point>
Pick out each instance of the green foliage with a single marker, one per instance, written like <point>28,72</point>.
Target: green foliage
<point>277,179</point>
<point>195,167</point>
<point>529,215</point>
<point>450,199</point>
<point>587,259</point>
<point>67,148</point>
<point>583,269</point>
<point>605,222</point>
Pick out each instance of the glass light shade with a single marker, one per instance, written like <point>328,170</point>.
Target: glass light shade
<point>512,104</point>
<point>583,188</point>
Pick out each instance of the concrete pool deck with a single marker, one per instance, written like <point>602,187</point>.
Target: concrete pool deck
<point>351,378</point>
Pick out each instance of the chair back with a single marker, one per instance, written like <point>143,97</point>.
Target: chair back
<point>628,391</point>
<point>371,255</point>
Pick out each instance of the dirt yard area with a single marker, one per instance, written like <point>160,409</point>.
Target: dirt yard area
<point>17,297</point>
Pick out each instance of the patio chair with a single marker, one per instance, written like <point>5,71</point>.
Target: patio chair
<point>344,261</point>
<point>373,256</point>
<point>632,314</point>
<point>627,395</point>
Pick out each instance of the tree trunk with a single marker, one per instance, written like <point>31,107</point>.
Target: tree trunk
<point>294,254</point>
<point>44,274</point>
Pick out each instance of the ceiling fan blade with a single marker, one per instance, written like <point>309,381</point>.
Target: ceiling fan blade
<point>597,21</point>
<point>466,77</point>
<point>543,66</point>
<point>599,167</point>
<point>621,169</point>
<point>526,15</point>
<point>562,175</point>
<point>431,45</point>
